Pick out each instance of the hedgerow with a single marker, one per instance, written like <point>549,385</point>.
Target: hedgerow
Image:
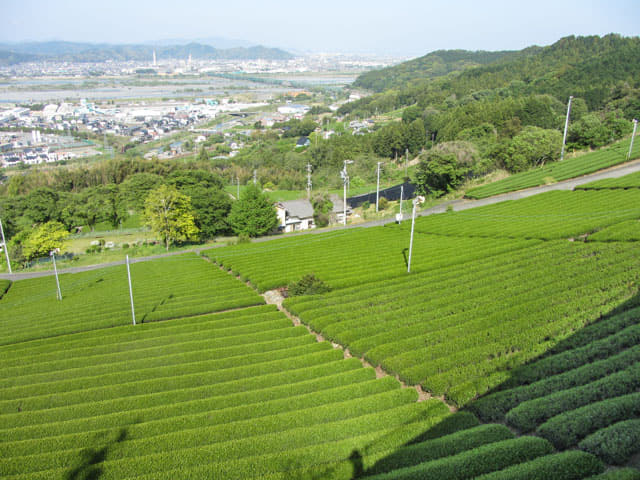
<point>571,465</point>
<point>472,463</point>
<point>568,428</point>
<point>494,407</point>
<point>615,444</point>
<point>528,415</point>
<point>441,447</point>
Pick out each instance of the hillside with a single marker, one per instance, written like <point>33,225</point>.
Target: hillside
<point>501,316</point>
<point>87,52</point>
<point>587,67</point>
<point>432,65</point>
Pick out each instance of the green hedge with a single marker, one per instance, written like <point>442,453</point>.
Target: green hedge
<point>567,429</point>
<point>618,474</point>
<point>615,444</point>
<point>571,465</point>
<point>495,406</point>
<point>441,447</point>
<point>472,463</point>
<point>528,415</point>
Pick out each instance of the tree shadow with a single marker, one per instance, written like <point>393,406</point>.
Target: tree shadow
<point>621,316</point>
<point>91,458</point>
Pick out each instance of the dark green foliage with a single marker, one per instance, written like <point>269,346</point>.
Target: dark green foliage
<point>254,214</point>
<point>570,465</point>
<point>618,474</point>
<point>528,415</point>
<point>322,207</point>
<point>434,64</point>
<point>472,463</point>
<point>307,285</point>
<point>615,444</point>
<point>383,203</point>
<point>494,407</point>
<point>453,444</point>
<point>567,429</point>
<point>438,174</point>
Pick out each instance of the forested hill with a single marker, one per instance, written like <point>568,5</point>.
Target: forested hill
<point>88,52</point>
<point>596,69</point>
<point>434,64</point>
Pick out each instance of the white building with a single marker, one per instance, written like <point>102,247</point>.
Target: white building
<point>295,215</point>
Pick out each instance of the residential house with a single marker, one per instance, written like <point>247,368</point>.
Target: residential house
<point>295,215</point>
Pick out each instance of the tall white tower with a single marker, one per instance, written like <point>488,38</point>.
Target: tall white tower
<point>154,58</point>
<point>189,61</point>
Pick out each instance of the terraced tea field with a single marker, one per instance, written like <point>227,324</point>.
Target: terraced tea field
<point>501,316</point>
<point>163,289</point>
<point>558,171</point>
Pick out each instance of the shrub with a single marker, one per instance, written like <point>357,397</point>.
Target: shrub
<point>308,285</point>
<point>383,203</point>
<point>572,465</point>
<point>615,444</point>
<point>366,205</point>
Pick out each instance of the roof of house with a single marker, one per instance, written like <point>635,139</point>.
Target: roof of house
<point>303,141</point>
<point>298,208</point>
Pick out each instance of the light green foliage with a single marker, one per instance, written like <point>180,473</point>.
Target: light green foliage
<point>550,215</point>
<point>173,287</point>
<point>44,239</point>
<point>170,215</point>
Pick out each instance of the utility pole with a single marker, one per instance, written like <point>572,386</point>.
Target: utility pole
<point>401,195</point>
<point>5,247</point>
<point>345,181</point>
<point>133,312</point>
<point>416,201</point>
<point>238,183</point>
<point>566,127</point>
<point>378,186</point>
<point>55,269</point>
<point>309,185</point>
<point>255,176</point>
<point>406,163</point>
<point>633,135</point>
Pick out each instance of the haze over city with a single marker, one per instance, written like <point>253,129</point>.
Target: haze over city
<point>403,28</point>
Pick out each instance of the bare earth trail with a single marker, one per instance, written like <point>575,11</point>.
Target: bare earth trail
<point>456,205</point>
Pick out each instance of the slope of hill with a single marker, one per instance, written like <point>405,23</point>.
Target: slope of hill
<point>549,328</point>
<point>432,65</point>
<point>592,68</point>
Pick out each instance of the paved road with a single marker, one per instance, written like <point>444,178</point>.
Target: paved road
<point>457,205</point>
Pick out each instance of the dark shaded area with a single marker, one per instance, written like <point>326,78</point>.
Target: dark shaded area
<point>89,467</point>
<point>407,189</point>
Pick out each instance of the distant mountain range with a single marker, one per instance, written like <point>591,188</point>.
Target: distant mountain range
<point>57,51</point>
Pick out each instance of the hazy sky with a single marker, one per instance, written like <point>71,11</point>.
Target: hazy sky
<point>386,27</point>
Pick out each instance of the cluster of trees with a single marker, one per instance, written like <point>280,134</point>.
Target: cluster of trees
<point>185,205</point>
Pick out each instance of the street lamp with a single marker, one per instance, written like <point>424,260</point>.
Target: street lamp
<point>345,181</point>
<point>416,201</point>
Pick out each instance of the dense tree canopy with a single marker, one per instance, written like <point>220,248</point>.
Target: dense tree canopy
<point>253,214</point>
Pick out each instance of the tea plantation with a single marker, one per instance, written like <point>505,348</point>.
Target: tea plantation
<point>558,171</point>
<point>517,314</point>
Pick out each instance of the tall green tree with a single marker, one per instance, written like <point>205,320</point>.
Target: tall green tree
<point>254,214</point>
<point>169,214</point>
